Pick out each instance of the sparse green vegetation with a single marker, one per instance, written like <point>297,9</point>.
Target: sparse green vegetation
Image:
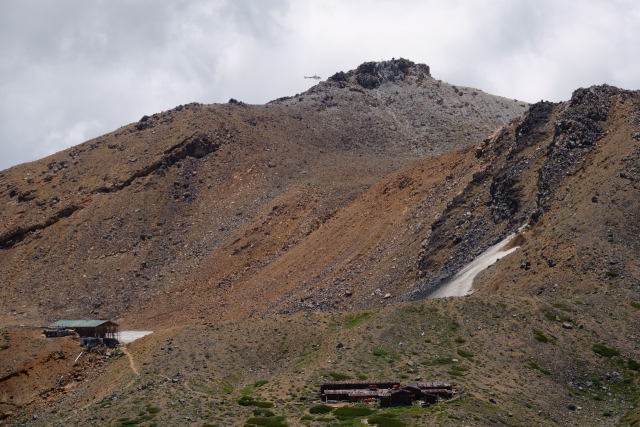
<point>263,413</point>
<point>612,274</point>
<point>378,352</point>
<point>320,409</point>
<point>465,353</point>
<point>633,365</point>
<point>356,319</point>
<point>336,376</point>
<point>604,351</point>
<point>460,340</point>
<point>634,304</point>
<point>385,420</point>
<point>457,370</point>
<point>347,412</point>
<point>250,401</point>
<point>442,361</point>
<point>267,421</point>
<point>539,336</point>
<point>535,366</point>
<point>260,383</point>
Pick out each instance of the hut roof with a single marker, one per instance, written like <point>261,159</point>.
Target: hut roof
<point>86,323</point>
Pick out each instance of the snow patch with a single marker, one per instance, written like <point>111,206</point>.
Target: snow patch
<point>127,337</point>
<point>462,283</point>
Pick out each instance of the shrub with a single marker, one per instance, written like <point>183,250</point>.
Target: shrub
<point>634,304</point>
<point>460,340</point>
<point>538,335</point>
<point>260,383</point>
<point>633,365</point>
<point>261,404</point>
<point>263,413</point>
<point>464,353</point>
<point>320,409</point>
<point>152,409</point>
<point>250,401</point>
<point>605,351</point>
<point>346,412</point>
<point>379,352</point>
<point>246,401</point>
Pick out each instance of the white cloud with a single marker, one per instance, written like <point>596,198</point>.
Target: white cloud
<point>77,69</point>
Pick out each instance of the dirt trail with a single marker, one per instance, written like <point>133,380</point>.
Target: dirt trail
<point>131,362</point>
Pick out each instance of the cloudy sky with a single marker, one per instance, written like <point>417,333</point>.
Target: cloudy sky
<point>71,70</point>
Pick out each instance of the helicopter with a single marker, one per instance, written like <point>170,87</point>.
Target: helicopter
<point>315,77</point>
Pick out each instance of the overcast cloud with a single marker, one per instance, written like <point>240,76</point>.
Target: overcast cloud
<point>71,70</point>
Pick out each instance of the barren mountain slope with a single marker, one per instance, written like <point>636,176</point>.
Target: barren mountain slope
<point>101,228</point>
<point>417,227</point>
<point>550,338</point>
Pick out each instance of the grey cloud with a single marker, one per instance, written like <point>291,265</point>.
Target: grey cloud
<point>71,70</point>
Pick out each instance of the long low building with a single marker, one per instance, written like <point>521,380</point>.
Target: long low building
<point>388,393</point>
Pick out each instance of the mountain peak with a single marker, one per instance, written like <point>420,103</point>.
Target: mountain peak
<point>372,74</point>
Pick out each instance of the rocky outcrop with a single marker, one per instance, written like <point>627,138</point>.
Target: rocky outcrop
<point>524,165</point>
<point>371,75</point>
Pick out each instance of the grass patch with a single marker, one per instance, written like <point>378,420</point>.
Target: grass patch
<point>612,274</point>
<point>378,352</point>
<point>260,383</point>
<point>356,319</point>
<point>336,376</point>
<point>152,409</point>
<point>603,350</point>
<point>347,412</point>
<point>385,420</point>
<point>362,377</point>
<point>320,409</point>
<point>465,353</point>
<point>250,401</point>
<point>633,365</point>
<point>442,361</point>
<point>458,371</point>
<point>263,413</point>
<point>535,366</point>
<point>634,304</point>
<point>460,340</point>
<point>539,336</point>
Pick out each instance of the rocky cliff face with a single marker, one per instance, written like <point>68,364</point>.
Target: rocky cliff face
<point>528,168</point>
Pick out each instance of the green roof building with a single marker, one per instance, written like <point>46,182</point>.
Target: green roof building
<point>89,327</point>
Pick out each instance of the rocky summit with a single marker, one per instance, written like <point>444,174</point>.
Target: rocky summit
<point>272,248</point>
